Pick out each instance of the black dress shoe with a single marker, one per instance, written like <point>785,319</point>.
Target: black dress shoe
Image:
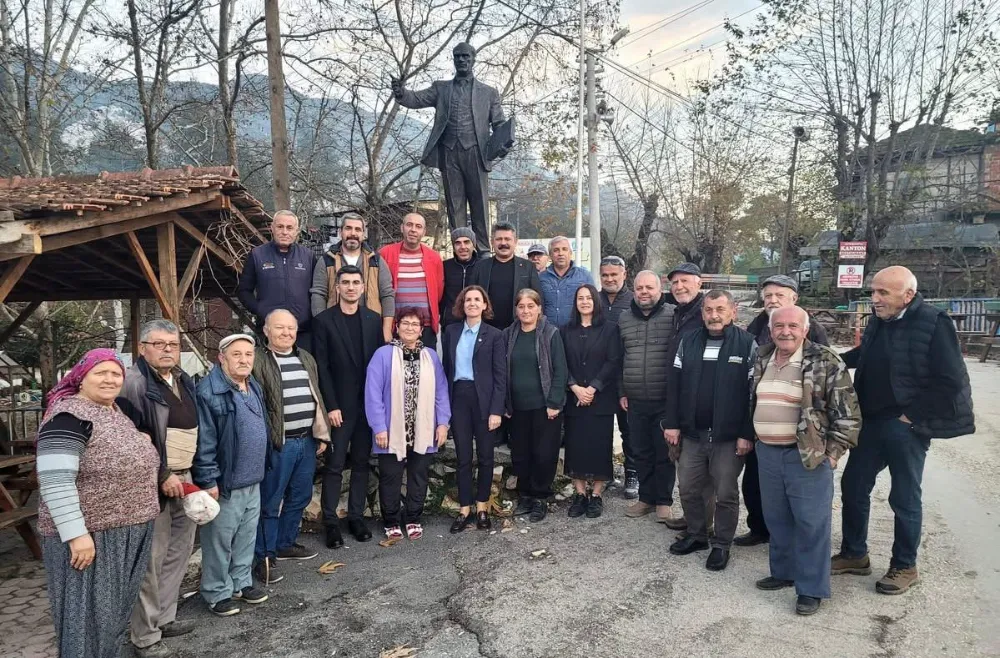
<point>688,545</point>
<point>807,605</point>
<point>177,628</point>
<point>579,506</point>
<point>359,530</point>
<point>333,537</point>
<point>538,511</point>
<point>771,583</point>
<point>595,506</point>
<point>717,559</point>
<point>524,505</point>
<point>483,521</point>
<point>751,539</point>
<point>461,523</point>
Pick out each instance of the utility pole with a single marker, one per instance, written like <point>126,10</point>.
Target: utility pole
<point>801,135</point>
<point>579,128</point>
<point>594,192</point>
<point>279,132</point>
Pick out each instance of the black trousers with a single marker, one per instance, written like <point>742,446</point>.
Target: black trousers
<point>351,444</point>
<point>751,497</point>
<point>466,190</point>
<point>626,445</point>
<point>468,426</point>
<point>429,338</point>
<point>390,482</point>
<point>649,449</point>
<point>534,451</point>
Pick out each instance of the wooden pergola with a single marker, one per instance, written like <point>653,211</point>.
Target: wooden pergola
<point>130,236</point>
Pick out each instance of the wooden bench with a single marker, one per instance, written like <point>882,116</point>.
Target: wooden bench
<point>16,475</point>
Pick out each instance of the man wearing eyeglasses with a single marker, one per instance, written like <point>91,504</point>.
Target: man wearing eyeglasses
<point>159,397</point>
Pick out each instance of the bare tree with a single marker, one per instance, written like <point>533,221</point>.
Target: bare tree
<point>43,49</point>
<point>864,74</point>
<point>160,40</point>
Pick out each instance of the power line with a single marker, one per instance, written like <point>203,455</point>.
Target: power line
<point>663,22</point>
<point>695,36</point>
<point>655,86</point>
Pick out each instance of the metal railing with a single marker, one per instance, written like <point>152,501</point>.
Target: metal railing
<point>18,429</point>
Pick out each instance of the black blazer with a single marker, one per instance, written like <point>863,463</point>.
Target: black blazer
<point>598,365</point>
<point>489,365</point>
<point>341,376</point>
<point>525,276</point>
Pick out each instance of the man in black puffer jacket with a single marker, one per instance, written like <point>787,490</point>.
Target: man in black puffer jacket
<point>708,408</point>
<point>686,295</point>
<point>647,332</point>
<point>912,386</point>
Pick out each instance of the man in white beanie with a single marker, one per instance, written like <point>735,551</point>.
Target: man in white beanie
<point>229,464</point>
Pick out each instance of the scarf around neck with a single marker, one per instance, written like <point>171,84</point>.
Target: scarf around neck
<point>423,441</point>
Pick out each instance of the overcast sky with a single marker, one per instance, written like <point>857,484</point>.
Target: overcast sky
<point>690,43</point>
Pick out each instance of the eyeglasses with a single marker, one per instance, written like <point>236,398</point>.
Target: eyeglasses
<point>613,260</point>
<point>162,344</point>
<point>410,325</point>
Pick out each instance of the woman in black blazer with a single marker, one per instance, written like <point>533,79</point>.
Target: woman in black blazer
<point>594,356</point>
<point>475,361</point>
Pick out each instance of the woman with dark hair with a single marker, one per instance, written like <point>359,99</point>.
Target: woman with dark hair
<point>593,355</point>
<point>475,362</point>
<point>406,401</point>
<point>97,478</point>
<point>536,393</point>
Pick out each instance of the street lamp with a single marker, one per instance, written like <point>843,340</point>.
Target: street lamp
<point>801,135</point>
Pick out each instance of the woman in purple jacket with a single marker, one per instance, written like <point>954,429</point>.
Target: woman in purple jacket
<point>406,401</point>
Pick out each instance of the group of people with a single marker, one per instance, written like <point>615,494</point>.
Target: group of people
<point>346,366</point>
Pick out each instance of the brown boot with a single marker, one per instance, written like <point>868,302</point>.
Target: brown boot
<point>897,581</point>
<point>637,509</point>
<point>665,515</point>
<point>856,566</point>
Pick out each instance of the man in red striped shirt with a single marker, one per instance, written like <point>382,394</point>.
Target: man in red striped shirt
<point>417,275</point>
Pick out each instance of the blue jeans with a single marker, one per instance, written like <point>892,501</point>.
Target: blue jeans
<point>798,510</point>
<point>227,545</point>
<point>885,442</point>
<point>284,494</point>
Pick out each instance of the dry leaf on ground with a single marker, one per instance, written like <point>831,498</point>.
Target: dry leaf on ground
<point>402,651</point>
<point>386,543</point>
<point>330,567</point>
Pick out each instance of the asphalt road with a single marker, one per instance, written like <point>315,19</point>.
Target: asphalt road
<point>608,587</point>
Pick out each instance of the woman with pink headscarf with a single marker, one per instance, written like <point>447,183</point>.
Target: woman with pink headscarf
<point>97,481</point>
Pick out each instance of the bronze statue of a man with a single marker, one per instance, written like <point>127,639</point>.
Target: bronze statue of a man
<point>466,113</point>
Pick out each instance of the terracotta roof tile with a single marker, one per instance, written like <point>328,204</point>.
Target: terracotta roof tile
<point>75,194</point>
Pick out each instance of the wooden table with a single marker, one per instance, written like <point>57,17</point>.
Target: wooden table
<point>16,474</point>
<point>993,322</point>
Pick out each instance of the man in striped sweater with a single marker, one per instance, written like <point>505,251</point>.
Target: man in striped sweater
<point>299,432</point>
<point>418,275</point>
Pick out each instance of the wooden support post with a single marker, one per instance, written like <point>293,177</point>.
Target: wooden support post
<point>276,82</point>
<point>147,270</point>
<point>191,272</point>
<point>246,222</point>
<point>133,326</point>
<point>18,321</point>
<point>218,251</point>
<point>22,245</point>
<point>13,274</point>
<point>166,252</point>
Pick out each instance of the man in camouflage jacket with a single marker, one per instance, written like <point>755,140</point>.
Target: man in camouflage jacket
<point>806,416</point>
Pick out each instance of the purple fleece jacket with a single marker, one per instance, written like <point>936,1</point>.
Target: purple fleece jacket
<point>378,396</point>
